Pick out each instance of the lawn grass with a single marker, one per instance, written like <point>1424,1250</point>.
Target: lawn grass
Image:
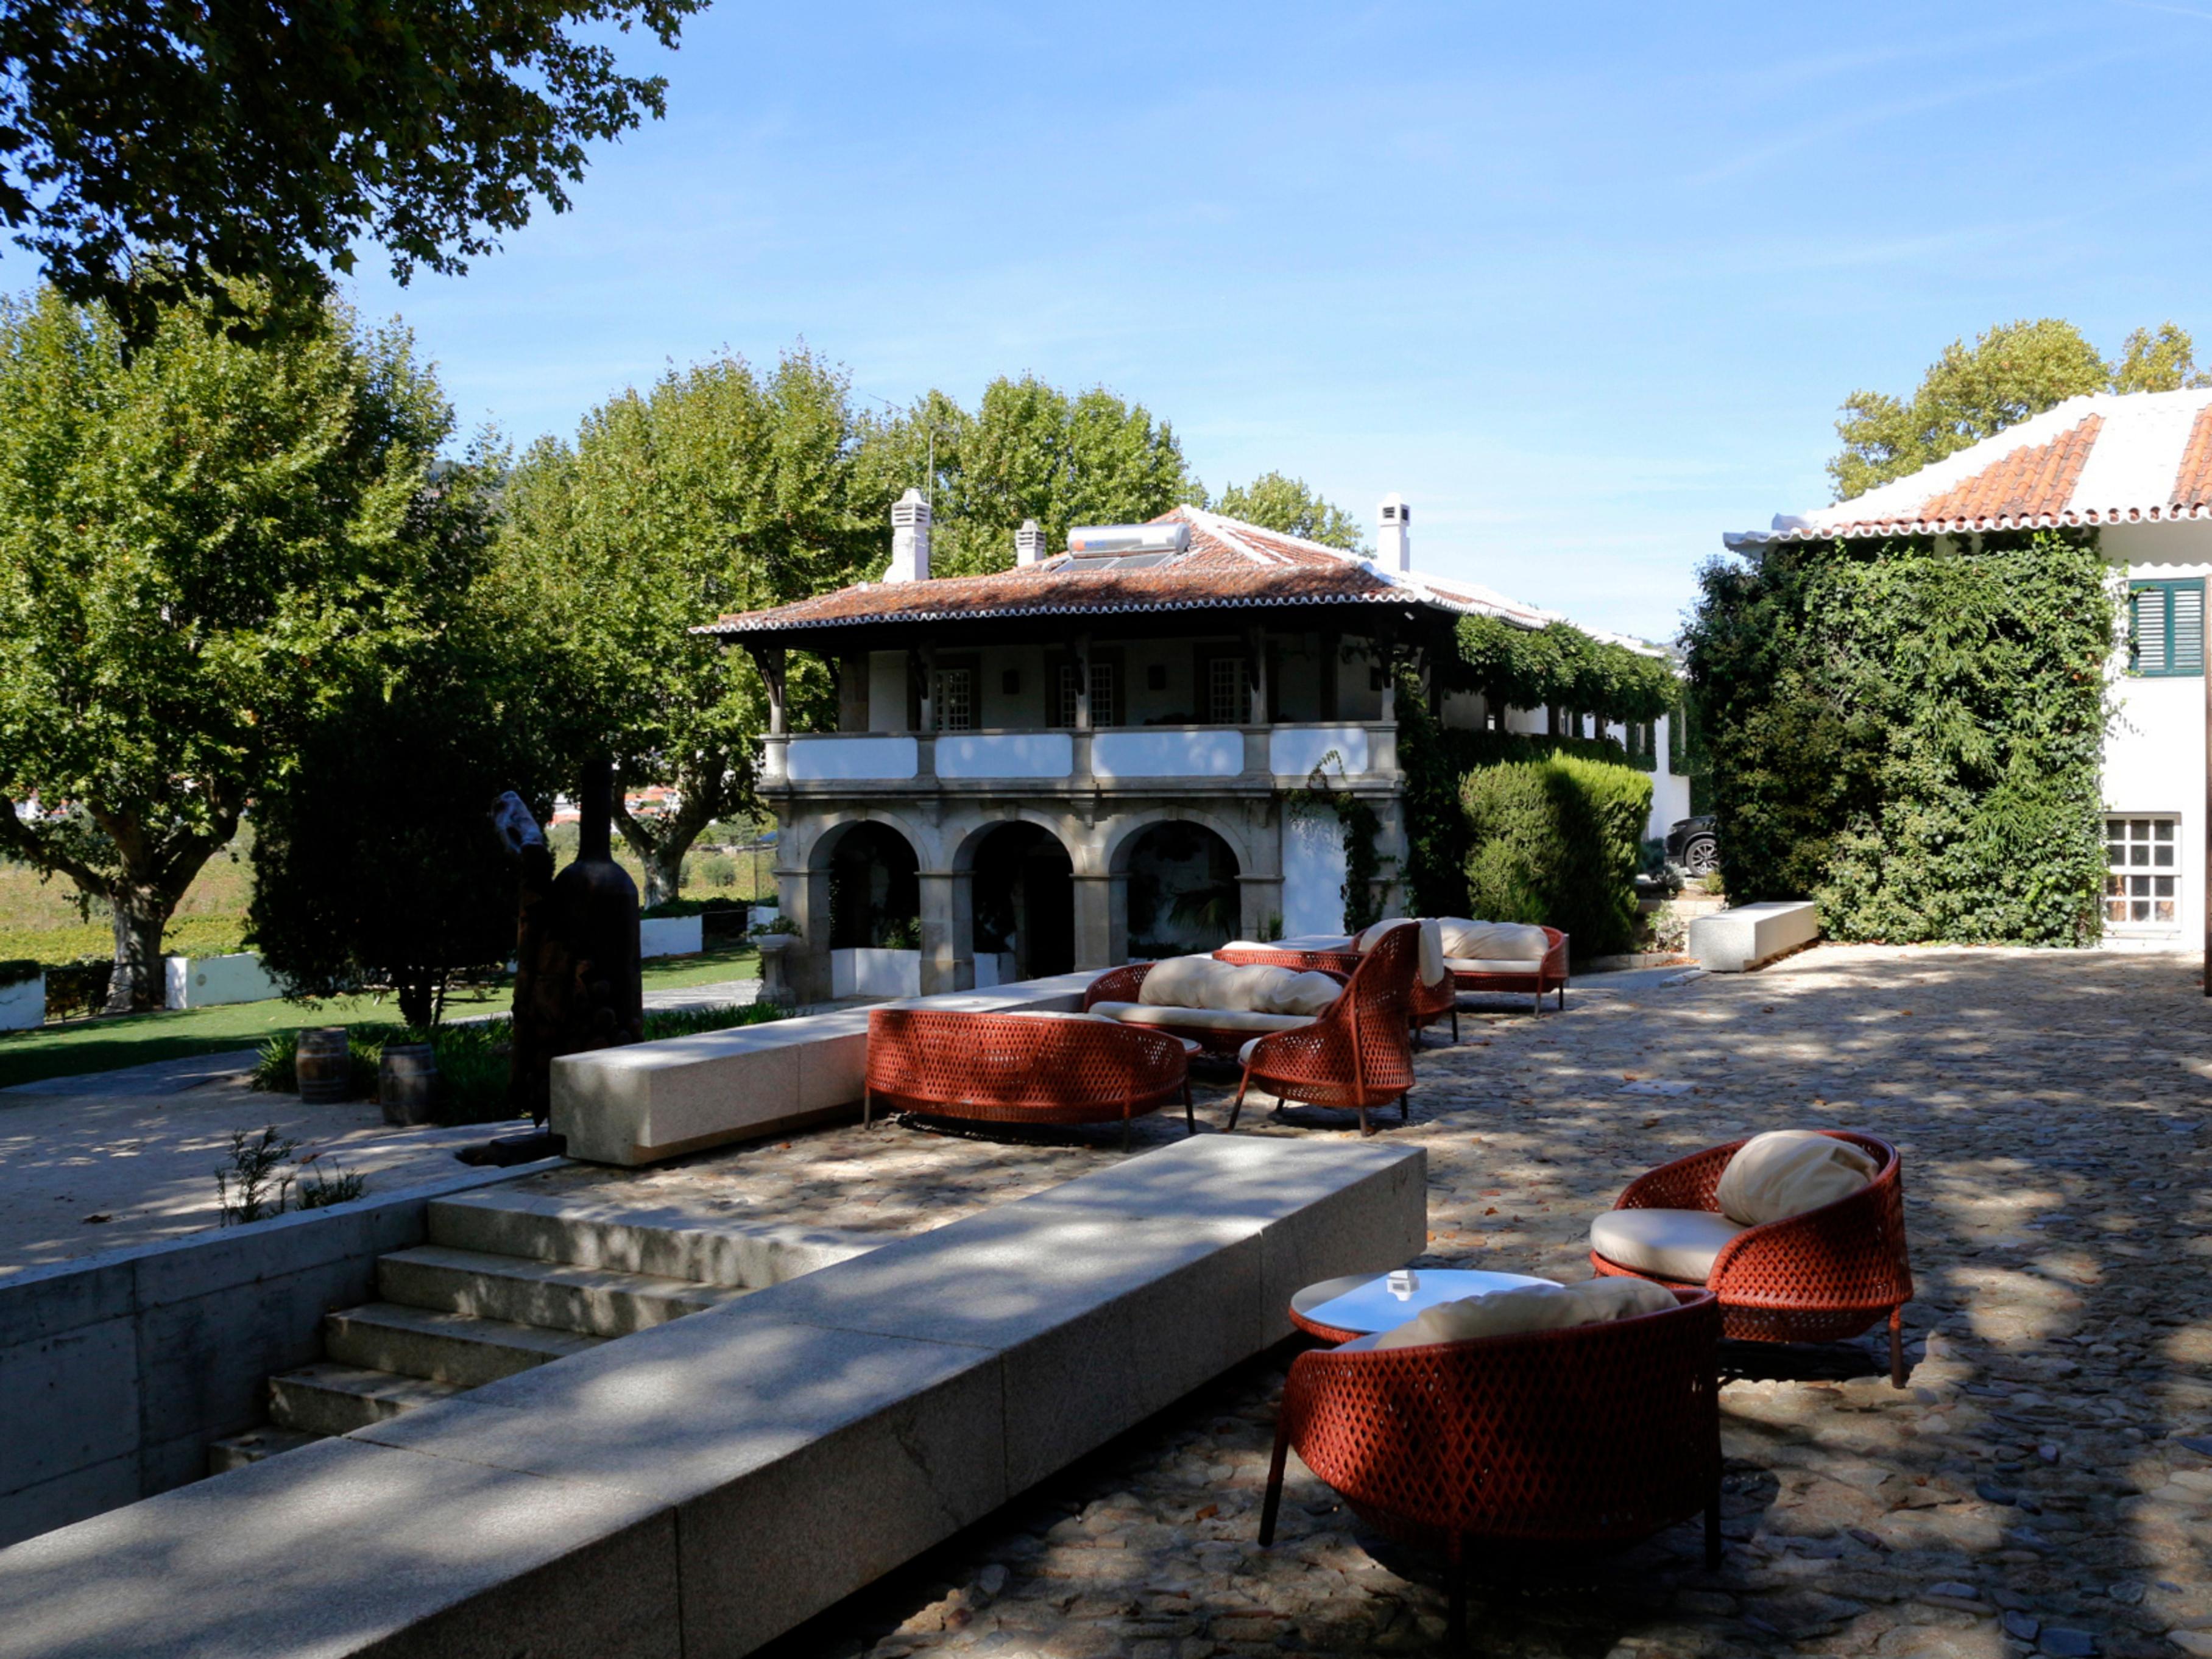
<point>31,1056</point>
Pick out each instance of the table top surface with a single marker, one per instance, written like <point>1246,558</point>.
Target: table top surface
<point>1365,1302</point>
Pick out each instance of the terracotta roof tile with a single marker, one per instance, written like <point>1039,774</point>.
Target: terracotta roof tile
<point>2030,482</point>
<point>2192,481</point>
<point>1228,565</point>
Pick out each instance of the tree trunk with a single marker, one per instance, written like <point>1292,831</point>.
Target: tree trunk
<point>417,1000</point>
<point>135,982</point>
<point>663,872</point>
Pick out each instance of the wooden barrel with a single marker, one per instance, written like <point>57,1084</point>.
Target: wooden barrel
<point>407,1083</point>
<point>324,1068</point>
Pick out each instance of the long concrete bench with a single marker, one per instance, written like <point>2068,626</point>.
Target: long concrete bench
<point>655,1101</point>
<point>700,1488</point>
<point>1751,936</point>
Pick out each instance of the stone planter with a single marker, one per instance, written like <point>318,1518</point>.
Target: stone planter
<point>775,982</point>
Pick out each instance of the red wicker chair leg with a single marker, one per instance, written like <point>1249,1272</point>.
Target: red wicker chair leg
<point>1896,1346</point>
<point>1237,1105</point>
<point>1405,1107</point>
<point>867,1108</point>
<point>1273,1502</point>
<point>1713,1529</point>
<point>1124,1127</point>
<point>1455,1021</point>
<point>1365,1128</point>
<point>1189,1119</point>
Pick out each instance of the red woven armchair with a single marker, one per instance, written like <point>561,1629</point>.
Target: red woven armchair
<point>1550,975</point>
<point>1355,1055</point>
<point>1592,1436</point>
<point>1821,1276</point>
<point>1009,1068</point>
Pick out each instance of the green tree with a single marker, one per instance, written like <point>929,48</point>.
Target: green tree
<point>373,858</point>
<point>2009,375</point>
<point>262,142</point>
<point>1277,503</point>
<point>718,490</point>
<point>1029,450</point>
<point>2160,360</point>
<point>198,541</point>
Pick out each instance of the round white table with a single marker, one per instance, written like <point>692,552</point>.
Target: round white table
<point>1337,1310</point>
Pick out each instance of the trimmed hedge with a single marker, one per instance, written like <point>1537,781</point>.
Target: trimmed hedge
<point>1558,841</point>
<point>1910,735</point>
<point>1436,761</point>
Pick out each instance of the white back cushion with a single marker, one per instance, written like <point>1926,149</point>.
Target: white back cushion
<point>1518,941</point>
<point>1301,993</point>
<point>1530,1307</point>
<point>1788,1171</point>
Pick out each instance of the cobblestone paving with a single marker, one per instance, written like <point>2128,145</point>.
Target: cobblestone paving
<point>2044,1485</point>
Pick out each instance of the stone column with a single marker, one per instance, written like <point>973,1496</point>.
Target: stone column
<point>947,926</point>
<point>803,894</point>
<point>1100,920</point>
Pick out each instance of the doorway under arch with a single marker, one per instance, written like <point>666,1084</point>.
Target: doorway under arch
<point>1183,891</point>
<point>1023,901</point>
<point>875,890</point>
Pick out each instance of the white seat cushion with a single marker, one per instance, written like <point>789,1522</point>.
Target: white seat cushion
<point>1494,940</point>
<point>1529,1307</point>
<point>1675,1243</point>
<point>1200,982</point>
<point>1788,1171</point>
<point>1491,965</point>
<point>1308,994</point>
<point>1148,1013</point>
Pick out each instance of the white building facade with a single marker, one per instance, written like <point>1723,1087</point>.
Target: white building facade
<point>2137,469</point>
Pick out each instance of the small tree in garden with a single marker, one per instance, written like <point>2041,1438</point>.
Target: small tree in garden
<point>198,541</point>
<point>1555,841</point>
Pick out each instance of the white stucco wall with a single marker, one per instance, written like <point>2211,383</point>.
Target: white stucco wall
<point>819,759</point>
<point>1168,753</point>
<point>887,691</point>
<point>1313,873</point>
<point>1006,755</point>
<point>1296,751</point>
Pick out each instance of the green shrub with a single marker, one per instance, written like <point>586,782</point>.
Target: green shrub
<point>19,971</point>
<point>1911,734</point>
<point>716,869</point>
<point>78,987</point>
<point>1557,841</point>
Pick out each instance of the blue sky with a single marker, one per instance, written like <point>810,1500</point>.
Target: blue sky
<point>1586,284</point>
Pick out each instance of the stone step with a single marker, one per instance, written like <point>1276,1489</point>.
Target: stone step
<point>665,1240</point>
<point>596,1301</point>
<point>235,1451</point>
<point>446,1347</point>
<point>328,1399</point>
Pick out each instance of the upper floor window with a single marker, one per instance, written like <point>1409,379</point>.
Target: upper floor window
<point>952,699</point>
<point>1228,702</point>
<point>1105,698</point>
<point>2166,627</point>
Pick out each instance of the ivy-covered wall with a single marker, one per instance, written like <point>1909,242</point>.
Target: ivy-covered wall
<point>1910,735</point>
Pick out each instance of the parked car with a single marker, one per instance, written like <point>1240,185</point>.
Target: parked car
<point>1693,846</point>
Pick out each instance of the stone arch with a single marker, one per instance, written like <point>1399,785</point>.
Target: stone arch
<point>1019,917</point>
<point>874,881</point>
<point>1180,888</point>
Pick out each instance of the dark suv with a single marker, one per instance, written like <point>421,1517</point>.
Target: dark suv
<point>1693,846</point>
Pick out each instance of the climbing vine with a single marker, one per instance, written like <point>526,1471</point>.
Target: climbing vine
<point>1558,666</point>
<point>1912,733</point>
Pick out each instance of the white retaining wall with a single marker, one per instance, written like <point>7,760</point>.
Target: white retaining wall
<point>208,981</point>
<point>24,1005</point>
<point>671,935</point>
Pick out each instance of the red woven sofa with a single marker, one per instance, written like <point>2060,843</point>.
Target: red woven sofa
<point>1126,984</point>
<point>1550,976</point>
<point>1022,1069</point>
<point>1427,1004</point>
<point>1821,1276</point>
<point>1355,1055</point>
<point>1595,1435</point>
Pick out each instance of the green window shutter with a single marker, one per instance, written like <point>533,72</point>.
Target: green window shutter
<point>2166,627</point>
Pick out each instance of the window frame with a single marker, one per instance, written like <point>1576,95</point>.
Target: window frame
<point>2118,876</point>
<point>2169,587</point>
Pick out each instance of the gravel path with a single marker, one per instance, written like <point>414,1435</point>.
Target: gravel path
<point>2044,1486</point>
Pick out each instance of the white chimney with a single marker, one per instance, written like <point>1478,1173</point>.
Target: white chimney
<point>909,539</point>
<point>1394,540</point>
<point>1028,544</point>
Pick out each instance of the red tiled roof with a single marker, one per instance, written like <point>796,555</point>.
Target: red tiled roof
<point>2105,459</point>
<point>2030,483</point>
<point>2192,481</point>
<point>1229,565</point>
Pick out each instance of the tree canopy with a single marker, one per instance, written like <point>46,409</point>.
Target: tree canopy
<point>262,142</point>
<point>1277,503</point>
<point>201,543</point>
<point>2009,374</point>
<point>1028,451</point>
<point>720,489</point>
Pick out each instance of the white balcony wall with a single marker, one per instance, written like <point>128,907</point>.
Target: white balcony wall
<point>827,759</point>
<point>886,690</point>
<point>1313,873</point>
<point>1168,752</point>
<point>1296,751</point>
<point>1006,755</point>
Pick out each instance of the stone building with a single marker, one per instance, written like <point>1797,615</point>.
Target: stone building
<point>1140,744</point>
